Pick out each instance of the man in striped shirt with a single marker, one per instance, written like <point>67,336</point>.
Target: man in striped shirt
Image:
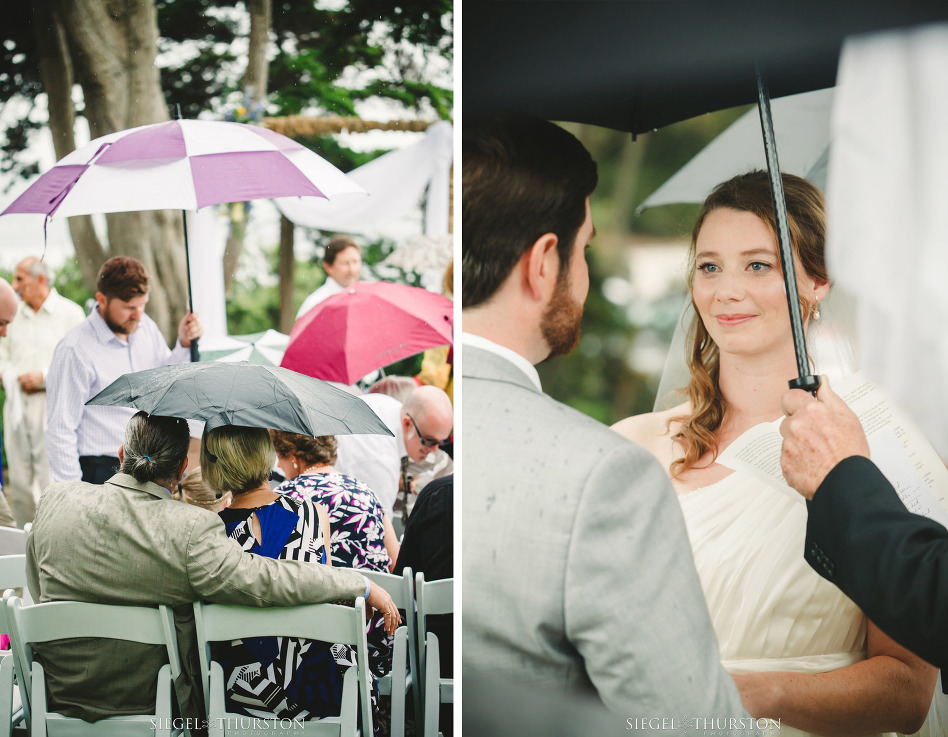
<point>117,338</point>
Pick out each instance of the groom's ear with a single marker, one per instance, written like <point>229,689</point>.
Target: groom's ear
<point>541,267</point>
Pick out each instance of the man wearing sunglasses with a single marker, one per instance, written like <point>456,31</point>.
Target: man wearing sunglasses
<point>419,426</point>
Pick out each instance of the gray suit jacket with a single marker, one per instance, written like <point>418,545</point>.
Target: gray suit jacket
<point>131,543</point>
<point>577,570</point>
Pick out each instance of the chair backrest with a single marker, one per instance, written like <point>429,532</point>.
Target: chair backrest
<point>12,541</point>
<point>344,625</point>
<point>400,588</point>
<point>67,619</point>
<point>12,571</point>
<point>432,597</point>
<point>13,576</point>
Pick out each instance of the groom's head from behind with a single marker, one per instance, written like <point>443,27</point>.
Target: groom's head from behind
<point>526,224</point>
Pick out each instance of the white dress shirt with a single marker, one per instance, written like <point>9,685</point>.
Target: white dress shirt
<point>86,361</point>
<point>328,289</point>
<point>32,335</point>
<point>376,460</point>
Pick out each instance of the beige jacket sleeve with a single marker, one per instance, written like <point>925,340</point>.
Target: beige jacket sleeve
<point>220,572</point>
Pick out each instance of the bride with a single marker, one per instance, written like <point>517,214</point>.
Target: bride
<point>797,648</point>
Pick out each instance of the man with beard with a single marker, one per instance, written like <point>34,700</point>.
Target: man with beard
<point>116,338</point>
<point>578,575</point>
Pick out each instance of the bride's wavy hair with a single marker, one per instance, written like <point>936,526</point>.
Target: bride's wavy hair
<point>746,193</point>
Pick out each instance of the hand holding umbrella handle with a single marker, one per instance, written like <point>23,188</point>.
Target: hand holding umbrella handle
<point>807,383</point>
<point>196,354</point>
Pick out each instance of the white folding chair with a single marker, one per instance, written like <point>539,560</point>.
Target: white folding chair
<point>12,710</point>
<point>400,589</point>
<point>12,541</point>
<point>432,597</point>
<point>69,619</point>
<point>327,622</point>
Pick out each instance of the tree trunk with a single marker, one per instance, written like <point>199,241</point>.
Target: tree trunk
<point>258,65</point>
<point>285,269</point>
<point>255,88</point>
<point>56,73</point>
<point>114,44</point>
<point>234,244</point>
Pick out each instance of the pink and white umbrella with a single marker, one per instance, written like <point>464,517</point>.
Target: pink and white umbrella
<point>181,165</point>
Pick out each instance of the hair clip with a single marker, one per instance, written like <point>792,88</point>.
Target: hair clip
<point>147,458</point>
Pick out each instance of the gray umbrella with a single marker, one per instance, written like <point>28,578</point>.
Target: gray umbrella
<point>245,394</point>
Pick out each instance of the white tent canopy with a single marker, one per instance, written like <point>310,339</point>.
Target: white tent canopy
<point>395,182</point>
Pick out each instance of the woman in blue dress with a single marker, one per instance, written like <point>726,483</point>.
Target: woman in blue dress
<point>271,677</point>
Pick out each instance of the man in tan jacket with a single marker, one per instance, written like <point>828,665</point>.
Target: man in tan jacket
<point>128,542</point>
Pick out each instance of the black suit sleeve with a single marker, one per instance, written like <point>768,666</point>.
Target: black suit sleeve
<point>893,564</point>
<point>428,543</point>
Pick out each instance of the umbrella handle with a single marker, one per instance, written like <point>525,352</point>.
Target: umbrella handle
<point>807,383</point>
<point>195,353</point>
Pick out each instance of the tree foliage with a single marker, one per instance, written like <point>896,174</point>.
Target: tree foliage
<point>323,61</point>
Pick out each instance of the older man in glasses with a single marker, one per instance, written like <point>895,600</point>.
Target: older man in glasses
<point>419,426</point>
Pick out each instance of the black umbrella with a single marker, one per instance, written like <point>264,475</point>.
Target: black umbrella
<point>245,394</point>
<point>636,65</point>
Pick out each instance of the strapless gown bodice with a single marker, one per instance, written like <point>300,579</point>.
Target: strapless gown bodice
<point>766,603</point>
<point>770,610</point>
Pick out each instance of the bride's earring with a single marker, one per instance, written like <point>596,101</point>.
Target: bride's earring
<point>816,311</point>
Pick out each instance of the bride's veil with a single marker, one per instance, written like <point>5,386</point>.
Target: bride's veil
<point>832,343</point>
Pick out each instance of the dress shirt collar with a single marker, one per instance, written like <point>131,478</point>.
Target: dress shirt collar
<point>478,341</point>
<point>103,332</point>
<point>49,305</point>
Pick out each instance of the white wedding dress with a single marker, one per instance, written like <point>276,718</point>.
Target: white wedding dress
<point>770,610</point>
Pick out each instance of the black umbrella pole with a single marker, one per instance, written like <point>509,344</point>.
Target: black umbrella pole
<point>195,353</point>
<point>804,380</point>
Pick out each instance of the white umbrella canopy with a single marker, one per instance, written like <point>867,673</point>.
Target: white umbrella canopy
<point>802,130</point>
<point>265,349</point>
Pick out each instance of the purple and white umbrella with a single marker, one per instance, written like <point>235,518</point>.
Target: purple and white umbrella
<point>181,165</point>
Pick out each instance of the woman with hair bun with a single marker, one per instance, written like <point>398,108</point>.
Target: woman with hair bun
<point>193,490</point>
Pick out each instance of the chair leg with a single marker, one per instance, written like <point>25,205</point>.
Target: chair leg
<point>349,709</point>
<point>415,649</point>
<point>38,701</point>
<point>398,683</point>
<point>6,695</point>
<point>216,703</point>
<point>163,703</point>
<point>432,698</point>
